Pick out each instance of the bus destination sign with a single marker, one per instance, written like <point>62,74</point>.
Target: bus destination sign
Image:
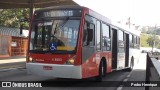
<point>58,13</point>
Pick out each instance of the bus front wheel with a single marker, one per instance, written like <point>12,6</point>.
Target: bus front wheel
<point>102,71</point>
<point>131,65</point>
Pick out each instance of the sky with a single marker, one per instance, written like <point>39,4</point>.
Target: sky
<point>141,12</point>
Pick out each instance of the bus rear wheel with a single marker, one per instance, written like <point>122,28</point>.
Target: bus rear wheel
<point>131,65</point>
<point>102,71</point>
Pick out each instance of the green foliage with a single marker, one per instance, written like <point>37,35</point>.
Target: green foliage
<point>150,30</point>
<point>143,40</point>
<point>147,40</point>
<point>11,17</point>
<point>152,40</point>
<point>147,37</point>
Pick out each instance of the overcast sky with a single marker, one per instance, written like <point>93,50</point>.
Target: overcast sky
<point>141,12</point>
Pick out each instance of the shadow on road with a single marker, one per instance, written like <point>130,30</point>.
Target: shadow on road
<point>110,80</point>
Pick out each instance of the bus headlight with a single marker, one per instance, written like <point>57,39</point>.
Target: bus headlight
<point>71,60</point>
<point>30,59</point>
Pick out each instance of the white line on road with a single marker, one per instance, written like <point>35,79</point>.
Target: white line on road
<point>120,87</point>
<point>4,70</point>
<point>12,61</point>
<point>125,80</point>
<point>128,76</point>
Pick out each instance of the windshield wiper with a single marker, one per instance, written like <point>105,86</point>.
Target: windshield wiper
<point>59,27</point>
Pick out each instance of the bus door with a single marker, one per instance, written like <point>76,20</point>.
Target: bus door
<point>88,47</point>
<point>114,48</point>
<point>126,49</point>
<point>121,50</point>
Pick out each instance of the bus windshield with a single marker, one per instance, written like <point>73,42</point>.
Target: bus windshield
<point>53,35</point>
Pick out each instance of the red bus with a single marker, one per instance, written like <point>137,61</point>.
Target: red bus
<point>76,42</point>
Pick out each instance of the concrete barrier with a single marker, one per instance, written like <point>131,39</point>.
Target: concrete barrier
<point>155,55</point>
<point>152,72</point>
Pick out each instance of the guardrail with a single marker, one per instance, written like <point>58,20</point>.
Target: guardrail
<point>152,71</point>
<point>155,55</point>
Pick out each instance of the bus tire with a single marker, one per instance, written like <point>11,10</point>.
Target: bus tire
<point>104,68</point>
<point>102,71</point>
<point>131,65</point>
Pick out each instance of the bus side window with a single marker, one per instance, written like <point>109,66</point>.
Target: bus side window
<point>135,42</point>
<point>131,40</point>
<point>138,42</point>
<point>98,36</point>
<point>121,41</point>
<point>106,42</point>
<point>88,34</point>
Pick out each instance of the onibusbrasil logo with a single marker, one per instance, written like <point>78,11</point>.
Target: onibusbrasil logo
<point>21,84</point>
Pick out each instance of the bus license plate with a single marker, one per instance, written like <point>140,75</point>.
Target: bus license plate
<point>47,68</point>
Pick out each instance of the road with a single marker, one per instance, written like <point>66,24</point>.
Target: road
<point>12,65</point>
<point>138,74</point>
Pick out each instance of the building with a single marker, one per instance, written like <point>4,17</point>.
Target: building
<point>12,43</point>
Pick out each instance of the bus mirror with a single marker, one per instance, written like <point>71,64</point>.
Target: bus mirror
<point>90,35</point>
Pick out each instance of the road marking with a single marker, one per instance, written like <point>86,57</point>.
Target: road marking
<point>12,61</point>
<point>120,87</point>
<point>14,66</point>
<point>125,80</point>
<point>4,70</point>
<point>128,76</point>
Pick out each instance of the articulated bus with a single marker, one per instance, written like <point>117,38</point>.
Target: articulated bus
<point>76,42</point>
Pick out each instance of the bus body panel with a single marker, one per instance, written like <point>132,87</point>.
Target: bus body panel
<point>79,45</point>
<point>90,57</point>
<point>51,58</point>
<point>135,53</point>
<point>54,70</point>
<point>90,67</point>
<point>121,61</point>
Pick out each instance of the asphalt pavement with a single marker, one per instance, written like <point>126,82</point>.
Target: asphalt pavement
<point>12,63</point>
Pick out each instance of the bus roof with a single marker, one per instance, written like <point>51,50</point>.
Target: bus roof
<point>60,7</point>
<point>126,29</point>
<point>115,25</point>
<point>97,15</point>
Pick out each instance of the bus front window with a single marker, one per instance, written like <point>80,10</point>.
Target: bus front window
<point>62,33</point>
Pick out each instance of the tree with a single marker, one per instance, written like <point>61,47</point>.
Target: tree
<point>11,17</point>
<point>151,40</point>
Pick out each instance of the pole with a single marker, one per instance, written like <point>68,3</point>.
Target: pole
<point>153,44</point>
<point>129,21</point>
<point>30,9</point>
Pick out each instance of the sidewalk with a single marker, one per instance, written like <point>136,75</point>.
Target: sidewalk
<point>13,59</point>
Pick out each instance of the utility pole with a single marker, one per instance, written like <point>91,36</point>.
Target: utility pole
<point>30,9</point>
<point>154,37</point>
<point>129,22</point>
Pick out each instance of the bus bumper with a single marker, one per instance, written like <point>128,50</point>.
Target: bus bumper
<point>55,70</point>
